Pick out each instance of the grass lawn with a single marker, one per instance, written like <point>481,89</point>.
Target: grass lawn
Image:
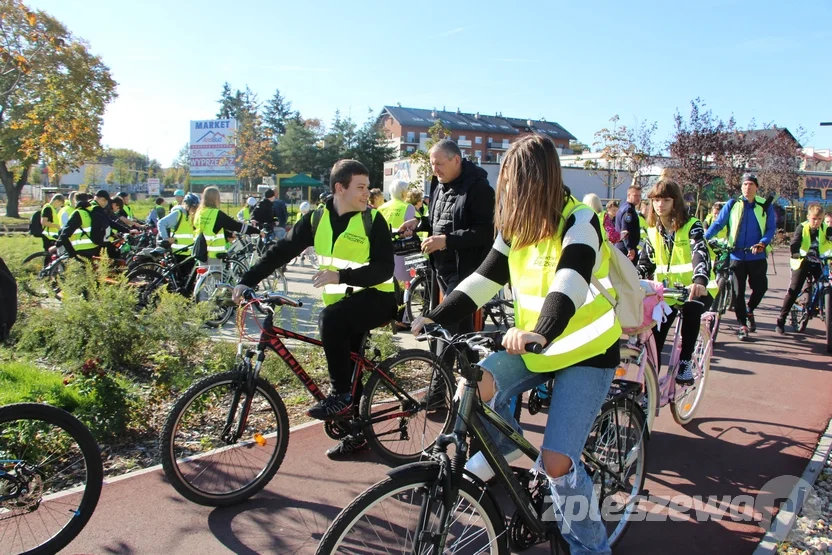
<point>24,382</point>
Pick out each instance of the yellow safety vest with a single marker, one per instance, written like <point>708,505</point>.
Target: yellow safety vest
<point>824,245</point>
<point>591,330</point>
<point>393,211</point>
<point>67,211</point>
<point>204,221</point>
<point>676,266</point>
<point>81,238</point>
<point>736,215</point>
<point>183,235</point>
<point>420,213</point>
<point>350,250</point>
<point>642,231</point>
<point>129,211</point>
<point>723,233</point>
<point>47,232</point>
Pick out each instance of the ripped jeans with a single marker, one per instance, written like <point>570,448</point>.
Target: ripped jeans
<point>577,396</point>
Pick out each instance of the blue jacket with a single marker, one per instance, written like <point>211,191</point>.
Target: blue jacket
<point>749,232</point>
<point>627,219</point>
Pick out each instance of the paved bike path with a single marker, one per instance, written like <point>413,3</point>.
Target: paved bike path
<point>765,406</point>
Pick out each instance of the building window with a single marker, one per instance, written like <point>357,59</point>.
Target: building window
<point>411,137</point>
<point>462,137</point>
<point>410,150</point>
<point>423,136</point>
<point>478,140</point>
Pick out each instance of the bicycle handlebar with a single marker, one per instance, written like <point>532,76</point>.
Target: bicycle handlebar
<point>476,340</point>
<point>271,298</point>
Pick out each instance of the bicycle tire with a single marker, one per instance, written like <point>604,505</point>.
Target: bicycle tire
<point>416,294</point>
<point>148,280</point>
<point>402,440</point>
<point>650,405</point>
<point>344,534</point>
<point>683,408</point>
<point>203,292</point>
<point>32,283</point>
<point>89,452</point>
<point>176,467</point>
<point>609,452</point>
<point>827,308</point>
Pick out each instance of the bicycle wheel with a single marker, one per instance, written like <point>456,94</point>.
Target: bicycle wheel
<point>50,478</point>
<point>276,283</point>
<point>397,428</point>
<point>617,443</point>
<point>416,299</point>
<point>650,401</point>
<point>386,519</point>
<point>29,276</point>
<point>147,280</point>
<point>688,398</point>
<point>206,290</point>
<point>201,458</point>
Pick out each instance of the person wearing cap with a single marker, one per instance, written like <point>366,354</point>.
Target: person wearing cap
<point>178,195</point>
<point>751,225</point>
<point>88,229</point>
<point>244,215</point>
<point>128,217</point>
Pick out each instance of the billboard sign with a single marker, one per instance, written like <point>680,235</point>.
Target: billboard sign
<point>153,187</point>
<point>212,149</point>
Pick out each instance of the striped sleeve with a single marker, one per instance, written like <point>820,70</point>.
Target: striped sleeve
<point>578,261</point>
<point>477,289</point>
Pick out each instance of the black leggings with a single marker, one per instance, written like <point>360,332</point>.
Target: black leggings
<point>692,312</point>
<point>753,271</point>
<point>796,287</point>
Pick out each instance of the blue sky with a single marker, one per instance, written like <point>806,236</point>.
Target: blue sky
<point>576,63</point>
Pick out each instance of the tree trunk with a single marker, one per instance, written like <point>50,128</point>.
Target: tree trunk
<point>12,189</point>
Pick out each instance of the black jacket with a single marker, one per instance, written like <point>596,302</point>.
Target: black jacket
<point>264,213</point>
<point>472,216</point>
<point>379,269</point>
<point>100,220</point>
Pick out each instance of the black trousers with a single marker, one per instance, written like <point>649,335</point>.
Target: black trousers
<point>692,312</point>
<point>754,272</point>
<point>343,324</point>
<point>796,287</point>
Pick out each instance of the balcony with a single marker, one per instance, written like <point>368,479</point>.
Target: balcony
<point>494,145</point>
<point>410,140</point>
<point>464,143</point>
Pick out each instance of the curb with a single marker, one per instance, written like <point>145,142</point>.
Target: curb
<point>787,515</point>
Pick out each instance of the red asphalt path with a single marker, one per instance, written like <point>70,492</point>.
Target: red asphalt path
<point>765,407</point>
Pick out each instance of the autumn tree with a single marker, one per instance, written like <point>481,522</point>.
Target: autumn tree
<point>778,160</point>
<point>623,150</point>
<point>697,144</point>
<point>53,92</point>
<point>254,147</point>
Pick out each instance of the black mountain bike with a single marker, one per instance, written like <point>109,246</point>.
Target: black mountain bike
<point>435,506</point>
<point>50,478</point>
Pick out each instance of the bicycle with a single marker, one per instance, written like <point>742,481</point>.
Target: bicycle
<point>50,478</point>
<point>248,253</point>
<point>640,361</point>
<point>815,300</point>
<point>238,417</point>
<point>435,506</point>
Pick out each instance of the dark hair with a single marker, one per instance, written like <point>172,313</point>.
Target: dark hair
<point>343,172</point>
<point>667,188</point>
<point>448,147</point>
<point>613,202</point>
<point>82,197</point>
<point>118,202</point>
<point>269,193</point>
<point>160,201</point>
<point>124,195</point>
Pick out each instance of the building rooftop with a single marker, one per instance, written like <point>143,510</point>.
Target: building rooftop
<point>459,121</point>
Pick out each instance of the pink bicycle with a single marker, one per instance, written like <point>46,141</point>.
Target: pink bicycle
<point>640,362</point>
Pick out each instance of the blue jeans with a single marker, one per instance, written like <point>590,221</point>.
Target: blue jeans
<point>577,395</point>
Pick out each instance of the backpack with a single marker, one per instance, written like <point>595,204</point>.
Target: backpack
<point>200,248</point>
<point>629,307</point>
<point>8,301</point>
<point>35,227</point>
<point>366,217</point>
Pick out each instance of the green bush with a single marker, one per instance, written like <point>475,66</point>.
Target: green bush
<point>108,407</point>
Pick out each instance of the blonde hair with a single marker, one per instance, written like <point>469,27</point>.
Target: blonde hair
<point>814,210</point>
<point>210,198</point>
<point>530,192</point>
<point>593,201</point>
<point>415,196</point>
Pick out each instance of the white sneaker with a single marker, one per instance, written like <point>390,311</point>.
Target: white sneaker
<point>479,467</point>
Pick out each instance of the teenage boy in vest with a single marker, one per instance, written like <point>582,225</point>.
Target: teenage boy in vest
<point>355,252</point>
<point>751,225</point>
<point>88,229</point>
<point>811,238</point>
<point>49,220</point>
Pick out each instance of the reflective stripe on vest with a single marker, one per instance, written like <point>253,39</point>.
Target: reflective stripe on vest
<point>591,330</point>
<point>824,245</point>
<point>350,250</point>
<point>81,240</point>
<point>204,221</point>
<point>393,211</point>
<point>736,215</point>
<point>183,235</point>
<point>47,232</point>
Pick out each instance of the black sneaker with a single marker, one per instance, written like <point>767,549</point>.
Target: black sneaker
<point>780,328</point>
<point>347,446</point>
<point>333,406</point>
<point>685,375</point>
<point>752,323</point>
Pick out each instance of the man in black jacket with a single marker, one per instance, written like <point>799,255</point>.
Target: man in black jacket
<point>263,215</point>
<point>102,220</point>
<point>461,220</point>
<point>364,303</point>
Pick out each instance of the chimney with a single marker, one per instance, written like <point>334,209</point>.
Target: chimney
<point>477,115</point>
<point>542,119</point>
<point>457,110</point>
<point>399,104</point>
<point>433,113</point>
<point>530,123</point>
<point>443,109</point>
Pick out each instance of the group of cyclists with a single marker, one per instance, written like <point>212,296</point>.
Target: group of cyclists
<point>532,234</point>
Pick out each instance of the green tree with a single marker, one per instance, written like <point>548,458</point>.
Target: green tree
<point>421,159</point>
<point>373,149</point>
<point>578,147</point>
<point>297,149</point>
<point>92,177</point>
<point>254,148</point>
<point>53,93</point>
<point>122,173</point>
<point>278,113</point>
<point>35,173</point>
